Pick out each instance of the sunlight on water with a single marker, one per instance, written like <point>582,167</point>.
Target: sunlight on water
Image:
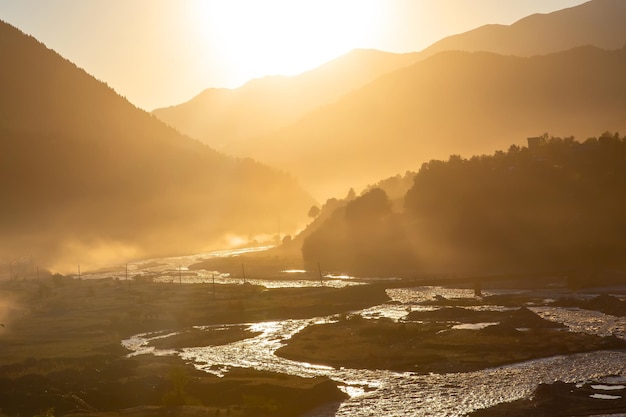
<point>340,276</point>
<point>472,326</point>
<point>352,391</point>
<point>206,277</point>
<point>386,393</point>
<point>605,396</point>
<point>164,267</point>
<point>138,345</point>
<point>428,293</point>
<point>394,312</point>
<point>609,387</point>
<point>176,269</point>
<point>405,300</point>
<point>585,321</point>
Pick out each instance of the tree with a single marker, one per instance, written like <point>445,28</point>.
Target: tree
<point>369,207</point>
<point>314,211</point>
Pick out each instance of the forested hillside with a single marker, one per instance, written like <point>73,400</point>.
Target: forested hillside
<point>452,103</point>
<point>555,206</point>
<point>85,176</point>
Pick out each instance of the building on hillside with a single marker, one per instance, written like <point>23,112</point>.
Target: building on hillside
<point>535,143</point>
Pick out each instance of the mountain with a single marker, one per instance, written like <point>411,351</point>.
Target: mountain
<point>256,119</point>
<point>452,103</point>
<point>555,205</point>
<point>229,119</point>
<point>85,176</point>
<point>598,23</point>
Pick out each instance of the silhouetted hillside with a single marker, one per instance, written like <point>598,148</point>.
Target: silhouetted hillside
<point>336,143</point>
<point>229,119</point>
<point>454,102</point>
<point>84,174</point>
<point>556,206</point>
<point>598,23</point>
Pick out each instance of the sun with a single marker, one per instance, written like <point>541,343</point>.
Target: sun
<point>266,37</point>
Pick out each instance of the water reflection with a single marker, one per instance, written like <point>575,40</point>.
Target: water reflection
<point>585,321</point>
<point>381,392</point>
<point>472,326</point>
<point>605,397</point>
<point>176,269</point>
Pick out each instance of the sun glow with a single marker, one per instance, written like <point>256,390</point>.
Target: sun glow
<point>256,38</point>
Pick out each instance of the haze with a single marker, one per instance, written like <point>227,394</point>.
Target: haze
<point>346,208</point>
<point>162,53</point>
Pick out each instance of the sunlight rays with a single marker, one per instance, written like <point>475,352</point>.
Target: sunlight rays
<point>281,36</point>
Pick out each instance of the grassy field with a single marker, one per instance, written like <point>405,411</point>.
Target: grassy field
<point>60,346</point>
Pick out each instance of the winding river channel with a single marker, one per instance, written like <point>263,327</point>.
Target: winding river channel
<point>386,393</point>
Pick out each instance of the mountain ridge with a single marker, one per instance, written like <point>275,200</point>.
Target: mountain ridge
<point>540,34</point>
<point>85,174</point>
<point>534,35</point>
<point>230,118</point>
<point>494,101</point>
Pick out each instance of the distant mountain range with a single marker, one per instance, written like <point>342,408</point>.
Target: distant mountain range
<point>415,107</point>
<point>85,176</point>
<point>228,119</point>
<point>598,23</point>
<point>453,103</point>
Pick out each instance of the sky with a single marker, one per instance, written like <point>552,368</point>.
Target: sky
<point>159,53</point>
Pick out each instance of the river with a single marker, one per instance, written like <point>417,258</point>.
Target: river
<point>378,393</point>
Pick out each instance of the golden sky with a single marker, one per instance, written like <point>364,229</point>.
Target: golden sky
<point>163,52</point>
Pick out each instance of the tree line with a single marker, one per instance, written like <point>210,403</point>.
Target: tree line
<point>556,205</point>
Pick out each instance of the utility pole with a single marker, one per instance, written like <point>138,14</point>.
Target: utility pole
<point>128,283</point>
<point>243,272</point>
<point>78,271</point>
<point>213,276</point>
<point>319,268</point>
<point>179,276</point>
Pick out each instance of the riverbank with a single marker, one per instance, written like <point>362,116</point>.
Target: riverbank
<point>111,385</point>
<point>60,347</point>
<point>60,344</point>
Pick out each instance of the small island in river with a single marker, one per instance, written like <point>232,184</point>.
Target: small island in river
<point>437,343</point>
